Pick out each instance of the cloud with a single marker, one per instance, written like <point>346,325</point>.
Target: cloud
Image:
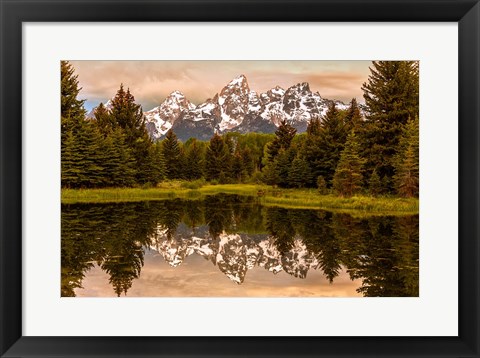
<point>151,81</point>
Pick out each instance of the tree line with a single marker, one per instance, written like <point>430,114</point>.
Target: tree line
<point>372,150</point>
<point>381,251</point>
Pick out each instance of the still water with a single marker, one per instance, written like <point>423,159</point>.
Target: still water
<point>228,245</point>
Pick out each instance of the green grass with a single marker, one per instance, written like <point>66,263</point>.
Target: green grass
<point>269,196</point>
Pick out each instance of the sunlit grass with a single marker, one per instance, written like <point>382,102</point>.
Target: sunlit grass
<point>269,196</point>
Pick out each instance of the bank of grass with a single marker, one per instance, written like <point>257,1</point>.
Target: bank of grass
<point>267,195</point>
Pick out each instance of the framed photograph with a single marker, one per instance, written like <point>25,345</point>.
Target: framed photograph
<point>240,178</point>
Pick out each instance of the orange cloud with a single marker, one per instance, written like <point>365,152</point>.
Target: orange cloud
<point>151,81</point>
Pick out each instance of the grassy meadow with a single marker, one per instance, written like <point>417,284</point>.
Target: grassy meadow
<point>267,195</point>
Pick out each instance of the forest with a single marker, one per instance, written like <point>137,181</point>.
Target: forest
<point>368,149</point>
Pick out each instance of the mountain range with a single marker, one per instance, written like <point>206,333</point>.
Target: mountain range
<point>235,254</point>
<point>236,108</point>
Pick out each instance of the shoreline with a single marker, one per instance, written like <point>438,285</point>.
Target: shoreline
<point>267,195</point>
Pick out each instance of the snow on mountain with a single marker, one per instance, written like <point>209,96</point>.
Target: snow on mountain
<point>236,108</point>
<point>160,119</point>
<point>235,254</point>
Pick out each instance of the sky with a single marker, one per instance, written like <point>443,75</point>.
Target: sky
<point>151,81</point>
<point>197,277</point>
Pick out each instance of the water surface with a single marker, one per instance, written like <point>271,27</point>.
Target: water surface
<point>228,245</point>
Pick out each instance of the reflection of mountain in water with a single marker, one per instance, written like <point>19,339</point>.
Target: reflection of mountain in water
<point>235,254</point>
<point>237,234</point>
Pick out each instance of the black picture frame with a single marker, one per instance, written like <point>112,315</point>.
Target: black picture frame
<point>15,12</point>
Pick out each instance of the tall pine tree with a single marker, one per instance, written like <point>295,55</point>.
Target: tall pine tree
<point>283,139</point>
<point>195,161</point>
<point>406,162</point>
<point>353,116</point>
<point>391,99</point>
<point>329,146</point>
<point>348,177</point>
<point>172,155</point>
<point>72,110</point>
<point>128,115</point>
<point>217,159</point>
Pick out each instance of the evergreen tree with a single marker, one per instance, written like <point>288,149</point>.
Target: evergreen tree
<point>128,115</point>
<point>375,184</point>
<point>103,119</point>
<point>311,148</point>
<point>353,116</point>
<point>406,162</point>
<point>238,169</point>
<point>247,161</point>
<point>391,93</point>
<point>314,126</point>
<point>391,98</point>
<point>154,170</point>
<point>72,110</point>
<point>194,167</point>
<point>126,171</point>
<point>299,173</point>
<point>348,176</point>
<point>217,159</point>
<point>172,155</point>
<point>72,119</point>
<point>283,138</point>
<point>283,163</point>
<point>242,164</point>
<point>82,163</point>
<point>325,151</point>
<point>69,170</point>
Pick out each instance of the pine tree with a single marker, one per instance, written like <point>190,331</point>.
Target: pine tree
<point>310,148</point>
<point>69,169</point>
<point>128,115</point>
<point>217,159</point>
<point>125,173</point>
<point>353,116</point>
<point>157,164</point>
<point>195,161</point>
<point>247,161</point>
<point>82,164</point>
<point>314,126</point>
<point>348,176</point>
<point>238,170</point>
<point>283,139</point>
<point>299,173</point>
<point>172,155</point>
<point>325,151</point>
<point>406,162</point>
<point>72,119</point>
<point>283,162</point>
<point>103,119</point>
<point>391,93</point>
<point>391,98</point>
<point>72,110</point>
<point>375,184</point>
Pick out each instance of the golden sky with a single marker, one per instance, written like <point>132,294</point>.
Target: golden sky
<point>151,81</point>
<point>197,277</point>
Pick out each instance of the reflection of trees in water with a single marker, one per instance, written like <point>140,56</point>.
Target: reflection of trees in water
<point>111,235</point>
<point>381,251</point>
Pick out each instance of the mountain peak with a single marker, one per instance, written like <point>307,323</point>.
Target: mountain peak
<point>303,86</point>
<point>176,94</point>
<point>239,80</point>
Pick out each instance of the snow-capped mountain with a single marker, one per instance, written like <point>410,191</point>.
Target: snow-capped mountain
<point>160,119</point>
<point>235,254</point>
<point>237,108</point>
